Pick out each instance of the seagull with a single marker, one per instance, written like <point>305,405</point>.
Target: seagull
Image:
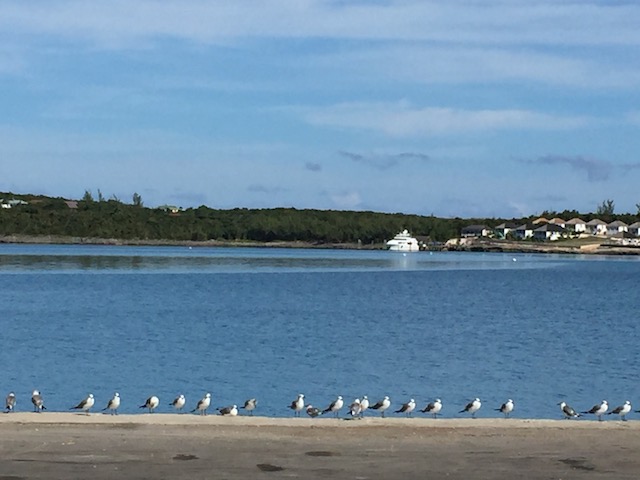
<point>38,402</point>
<point>151,403</point>
<point>433,408</point>
<point>472,407</point>
<point>364,404</point>
<point>85,404</point>
<point>622,410</point>
<point>250,405</point>
<point>355,408</point>
<point>382,405</point>
<point>297,405</point>
<point>599,410</point>
<point>335,406</point>
<point>10,403</point>
<point>312,411</point>
<point>203,404</point>
<point>568,411</point>
<point>179,402</point>
<point>407,408</point>
<point>113,404</point>
<point>506,408</point>
<point>231,411</point>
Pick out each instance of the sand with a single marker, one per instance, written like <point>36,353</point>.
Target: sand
<point>67,445</point>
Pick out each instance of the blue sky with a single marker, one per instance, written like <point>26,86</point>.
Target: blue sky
<point>456,108</point>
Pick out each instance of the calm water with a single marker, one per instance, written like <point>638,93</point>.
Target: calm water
<point>272,323</point>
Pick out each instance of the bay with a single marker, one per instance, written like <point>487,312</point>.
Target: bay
<point>272,323</point>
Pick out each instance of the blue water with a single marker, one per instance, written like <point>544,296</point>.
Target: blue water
<point>271,323</point>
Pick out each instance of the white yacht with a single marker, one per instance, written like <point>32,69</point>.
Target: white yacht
<point>403,242</point>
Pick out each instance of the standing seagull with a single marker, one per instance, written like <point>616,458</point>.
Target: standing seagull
<point>10,403</point>
<point>506,408</point>
<point>335,406</point>
<point>355,408</point>
<point>38,402</point>
<point>85,405</point>
<point>151,403</point>
<point>179,402</point>
<point>113,404</point>
<point>250,405</point>
<point>297,405</point>
<point>568,411</point>
<point>433,408</point>
<point>622,410</point>
<point>203,404</point>
<point>231,411</point>
<point>599,410</point>
<point>382,405</point>
<point>407,408</point>
<point>472,407</point>
<point>364,404</point>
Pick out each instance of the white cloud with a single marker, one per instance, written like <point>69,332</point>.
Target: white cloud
<point>403,120</point>
<point>346,200</point>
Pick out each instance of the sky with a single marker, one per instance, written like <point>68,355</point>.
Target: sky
<point>463,108</point>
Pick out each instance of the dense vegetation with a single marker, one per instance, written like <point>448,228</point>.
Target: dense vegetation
<point>113,218</point>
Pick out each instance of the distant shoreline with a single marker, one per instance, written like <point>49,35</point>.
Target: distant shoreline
<point>473,245</point>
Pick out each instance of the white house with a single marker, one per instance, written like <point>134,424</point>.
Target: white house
<point>504,229</point>
<point>525,231</point>
<point>634,229</point>
<point>597,227</point>
<point>476,231</point>
<point>549,231</point>
<point>616,227</point>
<point>576,225</point>
<point>558,221</point>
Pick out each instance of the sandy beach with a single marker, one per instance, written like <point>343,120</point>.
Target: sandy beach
<point>67,445</point>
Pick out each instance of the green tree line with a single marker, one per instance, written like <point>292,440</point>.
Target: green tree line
<point>111,218</point>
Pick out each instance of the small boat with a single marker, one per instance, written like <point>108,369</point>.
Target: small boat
<point>403,242</point>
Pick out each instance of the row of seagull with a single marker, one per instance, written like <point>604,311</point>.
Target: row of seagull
<point>356,409</point>
<point>151,404</point>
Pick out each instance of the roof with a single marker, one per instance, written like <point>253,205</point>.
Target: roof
<point>635,225</point>
<point>549,227</point>
<point>509,225</point>
<point>575,221</point>
<point>617,223</point>
<point>475,228</point>
<point>596,221</point>
<point>540,220</point>
<point>557,221</point>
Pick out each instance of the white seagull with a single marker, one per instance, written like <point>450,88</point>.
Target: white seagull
<point>113,404</point>
<point>382,405</point>
<point>203,404</point>
<point>599,410</point>
<point>506,408</point>
<point>297,405</point>
<point>312,411</point>
<point>10,403</point>
<point>179,402</point>
<point>355,408</point>
<point>335,406</point>
<point>407,408</point>
<point>364,405</point>
<point>38,402</point>
<point>151,403</point>
<point>85,405</point>
<point>250,405</point>
<point>231,411</point>
<point>433,408</point>
<point>622,410</point>
<point>568,411</point>
<point>472,407</point>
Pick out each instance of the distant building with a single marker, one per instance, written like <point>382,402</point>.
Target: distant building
<point>504,229</point>
<point>616,227</point>
<point>476,231</point>
<point>525,231</point>
<point>549,231</point>
<point>596,227</point>
<point>634,229</point>
<point>576,225</point>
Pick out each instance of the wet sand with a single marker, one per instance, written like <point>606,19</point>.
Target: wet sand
<point>63,445</point>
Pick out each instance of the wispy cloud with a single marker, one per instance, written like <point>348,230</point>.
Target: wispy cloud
<point>349,200</point>
<point>403,120</point>
<point>313,167</point>
<point>386,161</point>
<point>259,188</point>
<point>596,170</point>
